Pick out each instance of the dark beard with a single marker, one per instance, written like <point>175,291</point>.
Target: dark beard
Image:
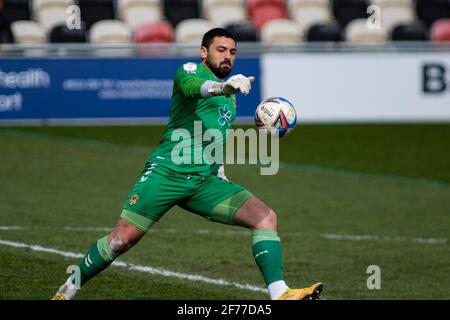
<point>219,73</point>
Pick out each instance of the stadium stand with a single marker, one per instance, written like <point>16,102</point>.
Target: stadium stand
<point>179,10</point>
<point>348,10</point>
<point>50,12</point>
<point>262,11</point>
<point>110,32</point>
<point>28,32</point>
<point>324,32</point>
<point>394,12</point>
<point>137,12</point>
<point>308,12</point>
<point>96,10</point>
<point>357,31</point>
<point>440,30</point>
<point>243,31</point>
<point>317,20</point>
<point>431,10</point>
<point>62,34</point>
<point>3,27</point>
<point>192,30</point>
<point>409,32</point>
<point>154,32</point>
<point>223,12</point>
<point>280,31</point>
<point>14,11</point>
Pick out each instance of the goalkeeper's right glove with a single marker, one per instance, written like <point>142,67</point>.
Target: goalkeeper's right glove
<point>235,84</point>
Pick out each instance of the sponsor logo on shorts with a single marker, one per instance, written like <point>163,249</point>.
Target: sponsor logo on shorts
<point>134,199</point>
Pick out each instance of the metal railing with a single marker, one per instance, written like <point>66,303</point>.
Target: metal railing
<point>244,48</point>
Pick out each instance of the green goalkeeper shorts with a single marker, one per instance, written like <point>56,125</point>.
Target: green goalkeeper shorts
<point>156,191</point>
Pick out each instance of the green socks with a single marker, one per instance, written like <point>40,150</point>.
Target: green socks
<point>266,251</point>
<point>268,254</point>
<point>97,259</point>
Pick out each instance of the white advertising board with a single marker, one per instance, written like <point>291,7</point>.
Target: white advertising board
<point>361,87</point>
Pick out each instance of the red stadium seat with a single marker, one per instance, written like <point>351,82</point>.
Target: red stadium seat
<point>262,11</point>
<point>154,32</point>
<point>440,30</point>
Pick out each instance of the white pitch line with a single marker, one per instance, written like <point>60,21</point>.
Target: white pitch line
<point>89,229</point>
<point>328,236</point>
<point>38,248</point>
<point>350,237</point>
<point>8,228</point>
<point>136,267</point>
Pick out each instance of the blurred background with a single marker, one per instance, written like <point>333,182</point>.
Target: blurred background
<point>377,60</point>
<point>364,179</point>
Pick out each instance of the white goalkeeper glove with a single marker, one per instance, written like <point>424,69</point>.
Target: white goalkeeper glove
<point>234,84</point>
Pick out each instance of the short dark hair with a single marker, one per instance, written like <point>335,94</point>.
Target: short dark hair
<point>209,36</point>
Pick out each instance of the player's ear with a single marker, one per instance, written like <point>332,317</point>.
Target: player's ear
<point>203,53</point>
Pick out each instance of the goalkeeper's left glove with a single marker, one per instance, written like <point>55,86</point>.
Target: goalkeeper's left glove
<point>235,84</point>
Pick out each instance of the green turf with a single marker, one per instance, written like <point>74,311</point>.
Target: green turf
<point>416,150</point>
<point>387,182</point>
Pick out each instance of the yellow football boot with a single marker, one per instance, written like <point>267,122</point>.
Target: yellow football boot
<point>310,293</point>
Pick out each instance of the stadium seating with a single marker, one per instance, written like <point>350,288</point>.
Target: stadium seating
<point>110,32</point>
<point>179,10</point>
<point>348,10</point>
<point>440,30</point>
<point>357,31</point>
<point>409,32</point>
<point>431,10</point>
<point>28,32</point>
<point>62,34</point>
<point>280,31</point>
<point>223,12</point>
<point>394,12</point>
<point>309,12</point>
<point>154,32</point>
<point>317,20</point>
<point>16,10</point>
<point>96,10</point>
<point>192,30</point>
<point>50,12</point>
<point>137,12</point>
<point>262,11</point>
<point>324,32</point>
<point>243,31</point>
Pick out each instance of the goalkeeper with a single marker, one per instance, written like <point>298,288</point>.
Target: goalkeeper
<point>199,94</point>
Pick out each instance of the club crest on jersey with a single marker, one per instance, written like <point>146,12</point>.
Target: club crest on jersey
<point>190,67</point>
<point>134,199</point>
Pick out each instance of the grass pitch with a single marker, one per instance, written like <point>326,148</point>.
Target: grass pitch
<point>347,197</point>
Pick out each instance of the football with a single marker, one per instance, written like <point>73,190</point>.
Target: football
<point>277,115</point>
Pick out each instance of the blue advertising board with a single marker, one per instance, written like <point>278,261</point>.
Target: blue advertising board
<point>98,89</point>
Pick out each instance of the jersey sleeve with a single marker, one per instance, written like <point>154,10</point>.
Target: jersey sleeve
<point>188,81</point>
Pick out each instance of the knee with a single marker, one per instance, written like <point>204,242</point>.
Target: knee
<point>269,222</point>
<point>272,219</point>
<point>120,244</point>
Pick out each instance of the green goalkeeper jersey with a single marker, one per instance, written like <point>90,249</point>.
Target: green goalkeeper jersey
<point>193,114</point>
